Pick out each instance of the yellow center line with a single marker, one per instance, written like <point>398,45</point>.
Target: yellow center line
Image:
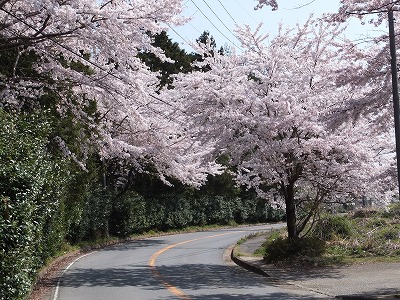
<point>152,264</point>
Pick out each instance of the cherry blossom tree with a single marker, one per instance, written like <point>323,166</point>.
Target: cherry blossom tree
<point>370,72</point>
<point>86,53</point>
<point>272,3</point>
<point>367,70</point>
<point>273,110</point>
<point>378,8</point>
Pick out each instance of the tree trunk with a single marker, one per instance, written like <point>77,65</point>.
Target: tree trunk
<point>290,211</point>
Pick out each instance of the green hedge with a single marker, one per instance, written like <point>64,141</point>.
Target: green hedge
<point>133,213</point>
<point>31,215</point>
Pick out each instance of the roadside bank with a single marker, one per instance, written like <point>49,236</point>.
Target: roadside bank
<point>355,281</point>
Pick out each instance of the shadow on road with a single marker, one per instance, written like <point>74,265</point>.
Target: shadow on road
<point>383,294</point>
<point>269,296</point>
<point>134,244</point>
<point>191,276</point>
<point>210,279</point>
<point>110,277</point>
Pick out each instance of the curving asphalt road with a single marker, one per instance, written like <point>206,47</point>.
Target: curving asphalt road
<point>183,266</point>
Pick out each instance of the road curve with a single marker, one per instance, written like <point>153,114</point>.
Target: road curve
<point>182,266</point>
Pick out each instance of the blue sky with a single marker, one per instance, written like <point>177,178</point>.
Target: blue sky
<point>219,18</point>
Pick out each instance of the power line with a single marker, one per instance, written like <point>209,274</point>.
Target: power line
<point>245,10</point>
<point>227,12</point>
<point>219,18</point>
<point>216,26</point>
<point>190,24</point>
<point>300,6</point>
<point>177,33</point>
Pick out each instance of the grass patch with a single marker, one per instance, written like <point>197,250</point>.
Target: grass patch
<point>363,236</point>
<point>271,237</point>
<point>283,249</point>
<point>66,248</point>
<point>244,239</point>
<point>247,237</point>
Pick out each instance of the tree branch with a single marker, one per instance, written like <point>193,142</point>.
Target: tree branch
<point>37,37</point>
<point>377,10</point>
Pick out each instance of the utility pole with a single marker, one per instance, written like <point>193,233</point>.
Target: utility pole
<point>395,89</point>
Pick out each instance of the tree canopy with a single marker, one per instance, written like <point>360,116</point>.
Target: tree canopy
<point>275,110</point>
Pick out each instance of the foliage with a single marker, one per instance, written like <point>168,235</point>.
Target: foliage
<point>92,145</point>
<point>332,226</point>
<point>86,53</point>
<point>181,61</point>
<point>367,69</point>
<point>285,249</point>
<point>363,213</point>
<point>128,215</point>
<point>393,211</point>
<point>272,111</point>
<point>345,239</point>
<point>96,214</point>
<point>338,239</point>
<point>146,203</point>
<point>134,212</point>
<point>206,46</point>
<point>31,193</point>
<point>374,235</point>
<point>75,99</point>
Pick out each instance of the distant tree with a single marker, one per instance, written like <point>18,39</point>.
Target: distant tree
<point>206,38</point>
<point>178,60</point>
<point>206,47</point>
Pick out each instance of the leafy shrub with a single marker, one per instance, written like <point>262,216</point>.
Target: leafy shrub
<point>31,189</point>
<point>178,212</point>
<point>281,249</point>
<point>393,211</point>
<point>375,236</point>
<point>376,222</point>
<point>365,213</point>
<point>128,215</point>
<point>96,214</point>
<point>329,227</point>
<point>389,233</point>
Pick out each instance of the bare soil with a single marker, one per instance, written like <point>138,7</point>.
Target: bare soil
<point>49,276</point>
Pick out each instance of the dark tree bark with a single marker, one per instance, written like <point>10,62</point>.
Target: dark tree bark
<point>291,221</point>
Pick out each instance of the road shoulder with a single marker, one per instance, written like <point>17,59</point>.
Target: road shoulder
<point>357,281</point>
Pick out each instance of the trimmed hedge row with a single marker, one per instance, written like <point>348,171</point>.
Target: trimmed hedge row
<point>133,213</point>
<point>31,214</point>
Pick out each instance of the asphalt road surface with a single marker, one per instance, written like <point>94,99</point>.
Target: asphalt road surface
<point>183,266</point>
